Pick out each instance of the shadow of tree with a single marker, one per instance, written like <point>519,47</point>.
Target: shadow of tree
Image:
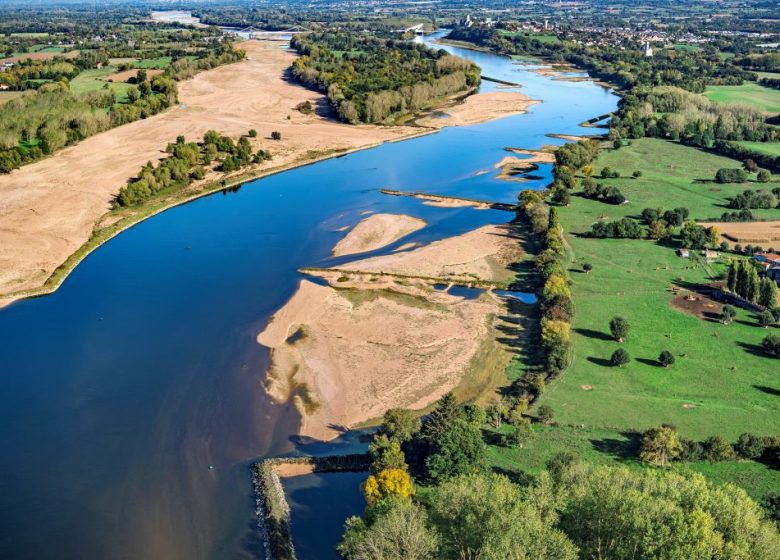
<point>599,361</point>
<point>768,390</point>
<point>624,450</point>
<point>590,333</point>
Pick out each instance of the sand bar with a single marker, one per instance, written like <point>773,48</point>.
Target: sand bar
<point>480,108</point>
<point>48,209</point>
<point>377,231</point>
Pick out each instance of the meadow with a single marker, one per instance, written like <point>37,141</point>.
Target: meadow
<point>771,148</point>
<point>721,382</point>
<point>601,446</point>
<point>749,93</point>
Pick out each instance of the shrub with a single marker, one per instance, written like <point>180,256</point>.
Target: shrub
<point>771,345</point>
<point>727,314</point>
<point>619,358</point>
<point>764,176</point>
<point>766,319</point>
<point>252,133</point>
<point>725,175</point>
<point>587,267</point>
<point>276,135</point>
<point>666,358</point>
<point>545,414</point>
<point>716,448</point>
<point>619,327</point>
<point>749,446</point>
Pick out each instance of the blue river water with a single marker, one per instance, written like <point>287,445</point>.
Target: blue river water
<point>131,400</point>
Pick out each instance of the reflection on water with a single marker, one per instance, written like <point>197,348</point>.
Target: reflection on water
<point>119,391</point>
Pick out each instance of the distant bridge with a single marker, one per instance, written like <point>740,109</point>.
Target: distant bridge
<point>253,32</point>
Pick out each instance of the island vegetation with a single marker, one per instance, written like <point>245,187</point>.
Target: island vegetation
<point>370,80</point>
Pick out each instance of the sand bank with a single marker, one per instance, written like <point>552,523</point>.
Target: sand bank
<point>479,108</point>
<point>377,231</point>
<point>511,167</point>
<point>49,209</point>
<point>366,342</point>
<point>575,138</point>
<point>482,254</point>
<point>545,155</point>
<point>347,355</point>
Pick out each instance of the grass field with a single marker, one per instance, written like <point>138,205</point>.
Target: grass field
<point>726,384</point>
<point>749,93</point>
<point>605,447</point>
<point>160,62</point>
<point>771,148</point>
<point>549,38</point>
<point>6,96</point>
<point>93,80</point>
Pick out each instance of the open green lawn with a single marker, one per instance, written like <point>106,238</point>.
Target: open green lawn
<point>604,447</point>
<point>749,93</point>
<point>686,47</point>
<point>732,386</point>
<point>771,148</point>
<point>93,80</point>
<point>161,62</point>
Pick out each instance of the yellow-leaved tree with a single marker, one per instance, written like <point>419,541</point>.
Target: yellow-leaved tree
<point>395,482</point>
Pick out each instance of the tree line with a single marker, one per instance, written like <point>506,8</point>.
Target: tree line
<point>369,80</point>
<point>453,506</point>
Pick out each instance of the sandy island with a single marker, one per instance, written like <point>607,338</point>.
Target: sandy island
<point>377,231</point>
<point>480,108</point>
<point>369,341</point>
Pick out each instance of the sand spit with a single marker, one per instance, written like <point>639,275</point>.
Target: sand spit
<point>575,138</point>
<point>377,231</point>
<point>481,107</point>
<point>515,169</point>
<point>481,254</point>
<point>49,209</point>
<point>545,155</point>
<point>346,355</point>
<point>378,335</point>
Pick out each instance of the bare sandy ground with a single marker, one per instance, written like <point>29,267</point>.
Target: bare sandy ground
<point>377,231</point>
<point>761,233</point>
<point>482,254</point>
<point>379,336</point>
<point>535,156</point>
<point>48,209</point>
<point>125,75</point>
<point>481,107</point>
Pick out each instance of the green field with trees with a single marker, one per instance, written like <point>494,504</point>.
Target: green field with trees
<point>721,379</point>
<point>769,148</point>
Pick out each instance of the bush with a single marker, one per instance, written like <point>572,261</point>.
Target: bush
<point>725,175</point>
<point>276,135</point>
<point>716,448</point>
<point>545,414</point>
<point>619,327</point>
<point>619,358</point>
<point>252,133</point>
<point>749,446</point>
<point>666,358</point>
<point>771,345</point>
<point>764,176</point>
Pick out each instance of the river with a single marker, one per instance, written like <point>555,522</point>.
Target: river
<point>131,400</point>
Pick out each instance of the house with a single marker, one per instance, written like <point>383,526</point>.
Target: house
<point>710,255</point>
<point>767,259</point>
<point>684,253</point>
<point>648,49</point>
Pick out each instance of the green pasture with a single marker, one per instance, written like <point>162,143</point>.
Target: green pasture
<point>749,93</point>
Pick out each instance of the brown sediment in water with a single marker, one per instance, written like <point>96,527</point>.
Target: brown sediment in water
<point>371,340</point>
<point>377,231</point>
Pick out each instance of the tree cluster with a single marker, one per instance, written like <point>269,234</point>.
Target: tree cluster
<point>186,164</point>
<point>744,281</point>
<point>369,80</point>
